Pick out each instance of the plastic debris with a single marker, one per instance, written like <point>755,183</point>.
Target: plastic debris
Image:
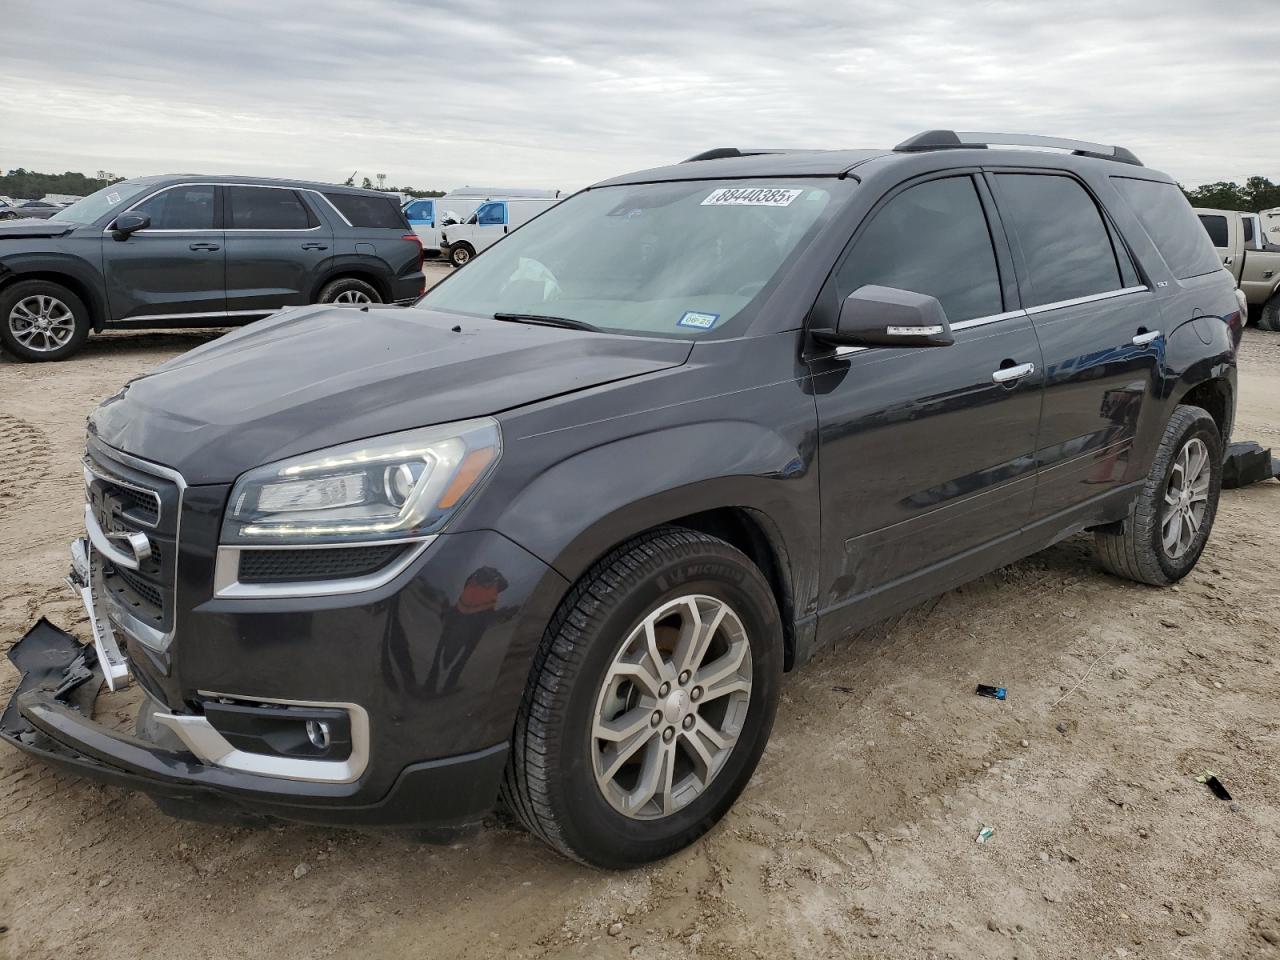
<point>985,834</point>
<point>995,693</point>
<point>1245,463</point>
<point>1210,780</point>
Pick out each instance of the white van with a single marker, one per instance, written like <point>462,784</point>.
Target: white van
<point>500,212</point>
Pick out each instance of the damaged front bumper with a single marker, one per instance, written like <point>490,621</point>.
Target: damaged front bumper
<point>49,714</point>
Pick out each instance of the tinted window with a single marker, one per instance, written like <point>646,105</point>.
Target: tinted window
<point>180,208</point>
<point>930,239</point>
<point>363,211</point>
<point>1216,228</point>
<point>1064,241</point>
<point>420,210</point>
<point>492,213</point>
<point>266,208</point>
<point>1247,222</point>
<point>1169,221</point>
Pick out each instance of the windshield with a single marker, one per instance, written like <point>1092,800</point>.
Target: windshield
<point>661,259</point>
<point>96,204</point>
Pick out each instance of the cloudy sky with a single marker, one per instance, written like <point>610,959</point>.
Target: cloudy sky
<point>559,94</point>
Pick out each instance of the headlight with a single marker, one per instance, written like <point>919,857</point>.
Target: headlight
<point>396,487</point>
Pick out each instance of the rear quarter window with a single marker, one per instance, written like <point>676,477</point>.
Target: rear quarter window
<point>1216,228</point>
<point>1171,224</point>
<point>372,212</point>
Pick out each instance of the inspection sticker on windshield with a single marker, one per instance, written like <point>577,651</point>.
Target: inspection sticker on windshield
<point>699,321</point>
<point>751,197</point>
<point>113,198</point>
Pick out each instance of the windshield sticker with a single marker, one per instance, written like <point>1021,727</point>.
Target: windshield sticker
<point>113,198</point>
<point>751,197</point>
<point>699,321</point>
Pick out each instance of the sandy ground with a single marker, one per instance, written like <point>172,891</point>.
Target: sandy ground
<point>856,838</point>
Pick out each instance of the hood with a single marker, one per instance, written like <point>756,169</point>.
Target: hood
<point>316,376</point>
<point>34,227</point>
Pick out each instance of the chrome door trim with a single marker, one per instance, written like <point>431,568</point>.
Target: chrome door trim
<point>1010,374</point>
<point>958,325</point>
<point>216,183</point>
<point>198,313</point>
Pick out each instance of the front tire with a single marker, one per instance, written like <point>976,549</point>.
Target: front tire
<point>460,254</point>
<point>650,701</point>
<point>1169,522</point>
<point>349,292</point>
<point>1269,315</point>
<point>42,321</point>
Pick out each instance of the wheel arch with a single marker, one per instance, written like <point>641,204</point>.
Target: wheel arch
<point>66,275</point>
<point>367,273</point>
<point>1217,396</point>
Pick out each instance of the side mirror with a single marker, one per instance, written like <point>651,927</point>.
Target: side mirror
<point>875,316</point>
<point>128,223</point>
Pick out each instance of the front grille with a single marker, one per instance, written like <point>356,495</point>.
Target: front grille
<point>126,498</point>
<point>335,563</point>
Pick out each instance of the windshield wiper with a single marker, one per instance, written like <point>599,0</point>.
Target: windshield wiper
<point>546,321</point>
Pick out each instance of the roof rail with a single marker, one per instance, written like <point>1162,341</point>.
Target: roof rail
<point>951,140</point>
<point>720,153</point>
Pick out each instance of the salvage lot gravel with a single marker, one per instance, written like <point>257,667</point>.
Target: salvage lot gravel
<point>855,839</point>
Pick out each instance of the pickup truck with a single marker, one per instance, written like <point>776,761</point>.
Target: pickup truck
<point>1246,251</point>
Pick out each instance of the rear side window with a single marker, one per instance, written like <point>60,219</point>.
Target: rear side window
<point>267,208</point>
<point>362,211</point>
<point>1216,228</point>
<point>180,208</point>
<point>1247,223</point>
<point>1167,217</point>
<point>1065,243</point>
<point>931,239</point>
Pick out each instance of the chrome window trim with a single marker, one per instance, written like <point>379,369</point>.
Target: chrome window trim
<point>1029,311</point>
<point>226,571</point>
<point>215,183</point>
<point>1092,298</point>
<point>213,748</point>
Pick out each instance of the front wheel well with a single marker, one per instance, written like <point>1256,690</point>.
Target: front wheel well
<point>751,532</point>
<point>96,317</point>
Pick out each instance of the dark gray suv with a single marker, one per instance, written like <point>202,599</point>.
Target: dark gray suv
<point>556,532</point>
<point>183,251</point>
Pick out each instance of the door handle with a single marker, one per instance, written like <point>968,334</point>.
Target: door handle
<point>1012,374</point>
<point>315,246</point>
<point>205,246</point>
<point>1143,337</point>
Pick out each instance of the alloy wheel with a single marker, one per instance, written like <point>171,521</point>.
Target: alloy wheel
<point>353,296</point>
<point>42,323</point>
<point>672,707</point>
<point>1186,498</point>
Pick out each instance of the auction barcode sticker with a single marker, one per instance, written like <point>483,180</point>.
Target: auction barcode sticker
<point>751,197</point>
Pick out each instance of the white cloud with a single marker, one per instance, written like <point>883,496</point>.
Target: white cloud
<point>566,93</point>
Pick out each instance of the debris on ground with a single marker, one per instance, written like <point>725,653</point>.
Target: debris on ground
<point>1245,463</point>
<point>1210,780</point>
<point>985,834</point>
<point>995,693</point>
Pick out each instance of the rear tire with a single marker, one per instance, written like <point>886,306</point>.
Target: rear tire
<point>460,254</point>
<point>349,291</point>
<point>1269,315</point>
<point>678,758</point>
<point>42,321</point>
<point>1189,459</point>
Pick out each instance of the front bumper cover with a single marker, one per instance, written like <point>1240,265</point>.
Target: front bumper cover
<point>49,714</point>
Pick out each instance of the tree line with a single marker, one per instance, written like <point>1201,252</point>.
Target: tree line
<point>1256,193</point>
<point>28,185</point>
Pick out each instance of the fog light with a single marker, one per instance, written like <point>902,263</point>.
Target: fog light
<point>318,734</point>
